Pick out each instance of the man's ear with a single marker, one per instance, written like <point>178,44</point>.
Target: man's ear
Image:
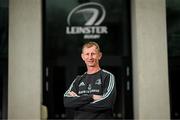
<point>100,55</point>
<point>82,56</point>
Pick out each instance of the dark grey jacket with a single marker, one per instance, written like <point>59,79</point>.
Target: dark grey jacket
<point>86,85</point>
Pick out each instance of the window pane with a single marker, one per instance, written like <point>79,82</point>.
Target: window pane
<point>173,34</point>
<point>3,57</point>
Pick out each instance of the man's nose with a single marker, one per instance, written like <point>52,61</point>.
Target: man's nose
<point>90,56</point>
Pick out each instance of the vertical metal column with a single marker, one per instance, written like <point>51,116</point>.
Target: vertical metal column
<point>150,66</point>
<point>25,54</point>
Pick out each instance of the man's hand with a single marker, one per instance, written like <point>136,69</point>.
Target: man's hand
<point>72,94</point>
<point>97,97</point>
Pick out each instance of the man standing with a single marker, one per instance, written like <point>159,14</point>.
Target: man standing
<point>92,95</point>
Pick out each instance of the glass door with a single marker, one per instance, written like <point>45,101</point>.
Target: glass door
<point>67,25</point>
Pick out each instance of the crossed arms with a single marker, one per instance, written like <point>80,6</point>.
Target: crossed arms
<point>91,102</point>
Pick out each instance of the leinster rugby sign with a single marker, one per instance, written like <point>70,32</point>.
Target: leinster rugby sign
<point>93,15</point>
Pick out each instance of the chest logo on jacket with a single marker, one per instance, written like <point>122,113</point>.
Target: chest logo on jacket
<point>81,84</point>
<point>98,82</point>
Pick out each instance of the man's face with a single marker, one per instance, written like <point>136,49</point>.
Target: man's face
<point>91,56</point>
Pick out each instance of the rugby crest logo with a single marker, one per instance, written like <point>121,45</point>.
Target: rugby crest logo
<point>86,19</point>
